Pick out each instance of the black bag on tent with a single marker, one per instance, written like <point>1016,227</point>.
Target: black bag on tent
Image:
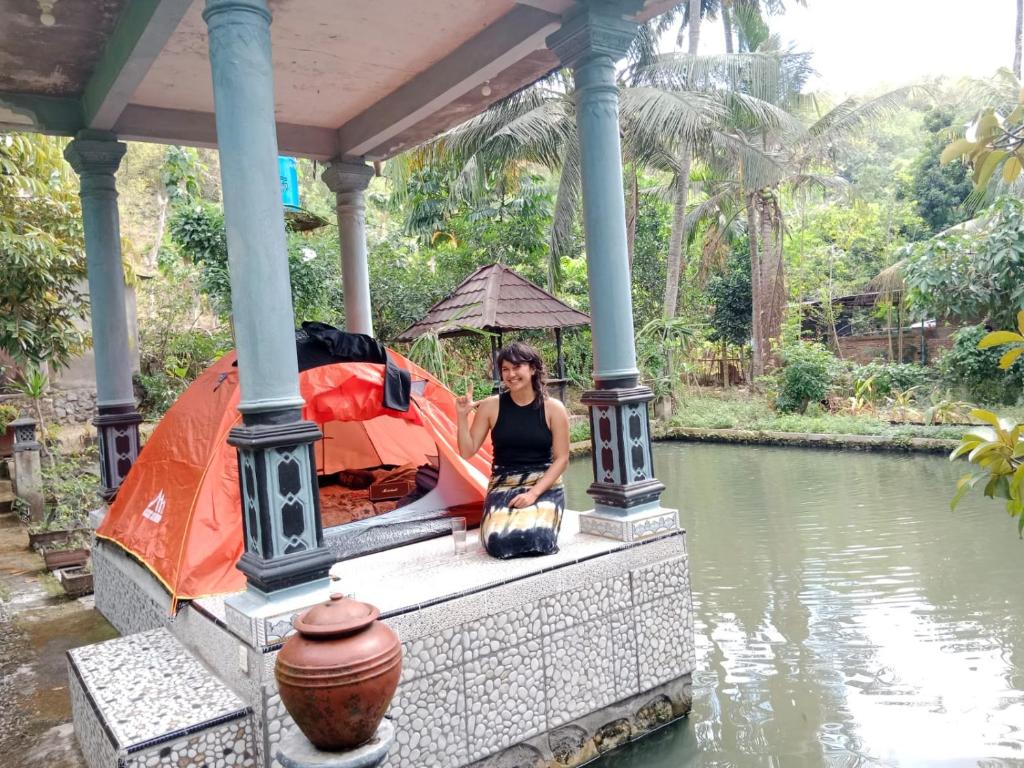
<point>322,344</point>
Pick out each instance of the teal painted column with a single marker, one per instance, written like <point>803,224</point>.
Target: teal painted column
<point>283,534</point>
<point>625,491</point>
<point>348,182</point>
<point>95,156</point>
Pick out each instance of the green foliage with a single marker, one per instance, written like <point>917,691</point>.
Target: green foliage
<point>42,305</point>
<point>889,378</point>
<point>997,447</point>
<point>939,190</point>
<point>71,487</point>
<point>843,246</point>
<point>975,274</point>
<point>180,173</point>
<point>975,371</point>
<point>708,410</point>
<point>661,344</point>
<point>579,431</point>
<point>997,450</point>
<point>8,413</point>
<point>197,231</point>
<point>650,246</point>
<point>729,293</point>
<point>993,142</point>
<point>805,376</point>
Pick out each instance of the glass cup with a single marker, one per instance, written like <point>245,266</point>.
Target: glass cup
<point>459,535</point>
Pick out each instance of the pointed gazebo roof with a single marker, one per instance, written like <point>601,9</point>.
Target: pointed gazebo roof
<point>494,298</point>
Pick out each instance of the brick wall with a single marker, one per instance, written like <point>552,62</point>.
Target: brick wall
<point>864,349</point>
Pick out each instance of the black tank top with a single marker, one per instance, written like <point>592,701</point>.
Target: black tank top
<point>521,436</point>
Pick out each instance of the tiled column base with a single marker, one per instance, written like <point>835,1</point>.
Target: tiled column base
<point>145,702</point>
<point>640,525</point>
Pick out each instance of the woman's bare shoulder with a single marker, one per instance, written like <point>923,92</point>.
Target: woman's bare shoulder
<point>488,403</point>
<point>553,405</point>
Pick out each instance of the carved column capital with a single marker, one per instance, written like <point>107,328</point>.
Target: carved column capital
<point>596,29</point>
<point>342,176</point>
<point>95,156</point>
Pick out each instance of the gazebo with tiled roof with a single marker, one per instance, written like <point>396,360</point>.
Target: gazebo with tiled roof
<point>496,300</point>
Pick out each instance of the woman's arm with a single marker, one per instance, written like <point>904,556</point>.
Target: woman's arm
<point>471,437</point>
<point>559,425</point>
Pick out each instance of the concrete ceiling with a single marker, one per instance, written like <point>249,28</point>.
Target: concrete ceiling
<point>359,78</point>
<point>53,56</point>
<point>332,60</point>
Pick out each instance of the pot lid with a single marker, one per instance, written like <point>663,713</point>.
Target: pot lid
<point>338,616</point>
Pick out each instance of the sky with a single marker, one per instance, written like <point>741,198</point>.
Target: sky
<point>861,45</point>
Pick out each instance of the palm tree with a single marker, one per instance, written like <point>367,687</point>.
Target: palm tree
<point>765,149</point>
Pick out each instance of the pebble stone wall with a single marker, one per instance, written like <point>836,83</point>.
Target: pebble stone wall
<point>145,701</point>
<point>562,649</point>
<point>570,662</point>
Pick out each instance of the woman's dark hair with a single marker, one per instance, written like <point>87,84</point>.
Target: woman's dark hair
<point>519,352</point>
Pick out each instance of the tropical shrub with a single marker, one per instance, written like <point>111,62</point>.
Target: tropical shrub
<point>805,376</point>
<point>972,274</point>
<point>975,371</point>
<point>42,303</point>
<point>887,378</point>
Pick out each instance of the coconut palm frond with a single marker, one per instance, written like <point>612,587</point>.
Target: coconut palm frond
<point>1001,90</point>
<point>853,115</point>
<point>564,216</point>
<point>537,135</point>
<point>751,73</point>
<point>758,113</point>
<point>655,117</point>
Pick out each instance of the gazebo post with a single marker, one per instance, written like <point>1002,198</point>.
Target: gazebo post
<point>495,373</point>
<point>348,181</point>
<point>560,364</point>
<point>95,156</point>
<point>285,555</point>
<point>625,491</point>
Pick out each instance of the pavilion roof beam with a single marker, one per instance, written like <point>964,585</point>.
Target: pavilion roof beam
<point>516,35</point>
<point>199,129</point>
<point>142,31</point>
<point>47,114</point>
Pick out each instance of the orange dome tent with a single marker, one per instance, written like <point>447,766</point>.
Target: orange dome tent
<point>179,511</point>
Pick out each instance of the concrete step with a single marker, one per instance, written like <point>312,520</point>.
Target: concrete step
<point>144,700</point>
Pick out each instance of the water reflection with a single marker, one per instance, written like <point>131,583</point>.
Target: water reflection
<point>844,616</point>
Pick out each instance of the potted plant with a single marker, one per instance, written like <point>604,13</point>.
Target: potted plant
<point>8,413</point>
<point>57,528</point>
<point>71,485</point>
<point>76,581</point>
<point>71,553</point>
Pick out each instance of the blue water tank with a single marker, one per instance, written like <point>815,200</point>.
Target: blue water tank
<point>289,175</point>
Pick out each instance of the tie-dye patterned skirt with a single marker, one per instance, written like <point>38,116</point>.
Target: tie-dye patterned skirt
<point>525,531</point>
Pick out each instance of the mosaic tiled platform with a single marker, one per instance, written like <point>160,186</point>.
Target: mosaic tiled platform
<point>532,654</point>
<point>145,701</point>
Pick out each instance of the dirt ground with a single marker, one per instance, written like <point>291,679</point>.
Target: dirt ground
<point>38,624</point>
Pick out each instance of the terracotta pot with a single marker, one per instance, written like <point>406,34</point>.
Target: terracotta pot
<point>338,674</point>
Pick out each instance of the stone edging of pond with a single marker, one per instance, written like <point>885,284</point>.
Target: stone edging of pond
<point>810,439</point>
<point>799,439</point>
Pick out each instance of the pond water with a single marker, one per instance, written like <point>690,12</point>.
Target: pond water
<point>844,616</point>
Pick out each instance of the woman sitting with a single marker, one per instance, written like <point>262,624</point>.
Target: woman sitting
<point>530,439</point>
